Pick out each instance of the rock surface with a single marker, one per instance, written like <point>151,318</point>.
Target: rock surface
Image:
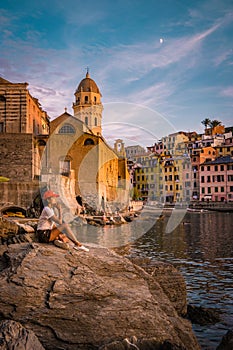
<point>170,279</point>
<point>202,316</point>
<point>98,300</point>
<point>227,341</point>
<point>14,336</point>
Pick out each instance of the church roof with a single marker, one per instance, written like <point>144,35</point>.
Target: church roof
<point>88,85</point>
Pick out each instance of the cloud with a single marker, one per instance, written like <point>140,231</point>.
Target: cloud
<point>222,57</point>
<point>227,92</point>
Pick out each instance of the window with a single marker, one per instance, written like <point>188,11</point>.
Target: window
<point>65,167</point>
<point>220,178</point>
<point>1,126</point>
<point>230,178</point>
<point>86,99</point>
<point>216,189</point>
<point>86,120</point>
<point>203,179</point>
<point>222,167</point>
<point>208,168</point>
<point>209,189</point>
<point>88,142</point>
<point>171,187</point>
<point>96,121</point>
<point>203,190</point>
<point>208,178</point>
<point>66,129</point>
<point>222,189</point>
<point>216,168</point>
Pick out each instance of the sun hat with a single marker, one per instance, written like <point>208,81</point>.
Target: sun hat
<point>49,194</point>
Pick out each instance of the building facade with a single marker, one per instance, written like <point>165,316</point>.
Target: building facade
<point>24,130</point>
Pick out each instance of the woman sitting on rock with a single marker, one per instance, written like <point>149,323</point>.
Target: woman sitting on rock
<point>50,227</point>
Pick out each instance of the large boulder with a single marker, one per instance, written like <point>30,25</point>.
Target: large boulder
<point>170,279</point>
<point>78,300</point>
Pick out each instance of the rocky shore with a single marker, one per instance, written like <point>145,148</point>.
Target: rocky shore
<point>96,300</point>
<point>55,299</point>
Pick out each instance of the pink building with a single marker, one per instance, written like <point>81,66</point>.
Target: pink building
<point>216,180</point>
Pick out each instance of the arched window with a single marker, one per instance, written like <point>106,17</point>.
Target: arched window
<point>66,129</point>
<point>96,121</point>
<point>86,99</point>
<point>88,142</point>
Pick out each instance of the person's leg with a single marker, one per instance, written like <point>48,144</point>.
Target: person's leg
<point>54,234</point>
<point>64,228</point>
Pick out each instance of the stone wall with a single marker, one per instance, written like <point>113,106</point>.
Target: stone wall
<point>18,193</point>
<point>16,157</point>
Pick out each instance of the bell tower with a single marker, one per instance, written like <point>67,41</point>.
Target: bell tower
<point>88,106</point>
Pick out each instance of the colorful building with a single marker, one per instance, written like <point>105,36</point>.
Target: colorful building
<point>216,180</point>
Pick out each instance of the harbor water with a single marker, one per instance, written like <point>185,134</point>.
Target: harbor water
<point>201,247</point>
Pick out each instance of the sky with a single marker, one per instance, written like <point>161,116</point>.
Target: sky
<point>161,66</point>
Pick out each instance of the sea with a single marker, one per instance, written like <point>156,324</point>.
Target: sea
<point>199,244</point>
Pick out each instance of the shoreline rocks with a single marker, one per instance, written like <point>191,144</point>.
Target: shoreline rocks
<point>96,300</point>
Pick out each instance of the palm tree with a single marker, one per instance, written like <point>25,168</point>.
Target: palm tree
<point>215,123</point>
<point>206,122</point>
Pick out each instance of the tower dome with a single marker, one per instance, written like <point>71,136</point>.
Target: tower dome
<point>87,106</point>
<point>88,85</point>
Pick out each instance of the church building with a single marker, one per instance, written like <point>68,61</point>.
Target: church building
<point>78,160</point>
